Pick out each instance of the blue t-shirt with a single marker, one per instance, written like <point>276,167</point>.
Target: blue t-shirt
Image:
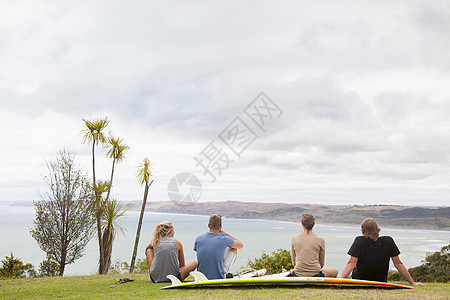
<point>210,249</point>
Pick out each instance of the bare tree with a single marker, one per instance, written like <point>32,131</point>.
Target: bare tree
<point>64,218</point>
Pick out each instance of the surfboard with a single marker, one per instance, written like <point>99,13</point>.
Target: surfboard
<point>253,273</point>
<point>202,281</point>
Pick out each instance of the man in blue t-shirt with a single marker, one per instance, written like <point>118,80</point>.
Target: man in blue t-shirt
<point>216,250</point>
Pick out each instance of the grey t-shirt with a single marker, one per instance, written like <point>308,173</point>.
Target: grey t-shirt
<point>165,260</point>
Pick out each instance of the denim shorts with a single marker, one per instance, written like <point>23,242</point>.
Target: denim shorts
<point>320,274</point>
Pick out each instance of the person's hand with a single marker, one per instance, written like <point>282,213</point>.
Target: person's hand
<point>420,283</point>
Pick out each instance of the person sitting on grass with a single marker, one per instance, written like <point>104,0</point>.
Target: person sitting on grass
<point>165,255</point>
<point>308,252</point>
<point>216,250</point>
<point>370,254</point>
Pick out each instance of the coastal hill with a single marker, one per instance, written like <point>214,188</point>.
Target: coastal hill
<point>436,218</point>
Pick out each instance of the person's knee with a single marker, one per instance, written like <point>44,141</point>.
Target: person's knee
<point>192,265</point>
<point>331,272</point>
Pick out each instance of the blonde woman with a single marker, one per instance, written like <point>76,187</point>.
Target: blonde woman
<point>370,255</point>
<point>165,255</point>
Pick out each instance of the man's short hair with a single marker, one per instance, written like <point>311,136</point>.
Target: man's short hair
<point>370,229</point>
<point>215,221</point>
<point>308,221</point>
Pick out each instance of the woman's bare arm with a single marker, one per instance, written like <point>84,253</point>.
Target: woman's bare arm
<point>149,254</point>
<point>180,253</point>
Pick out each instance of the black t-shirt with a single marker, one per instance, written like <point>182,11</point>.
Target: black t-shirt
<point>373,257</point>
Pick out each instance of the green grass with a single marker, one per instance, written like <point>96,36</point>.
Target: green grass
<point>100,287</point>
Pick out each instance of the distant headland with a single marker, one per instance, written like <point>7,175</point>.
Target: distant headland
<point>433,218</point>
<point>419,217</point>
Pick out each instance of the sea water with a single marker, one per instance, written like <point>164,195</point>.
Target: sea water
<point>257,236</point>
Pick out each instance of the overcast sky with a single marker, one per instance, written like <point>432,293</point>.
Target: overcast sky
<point>362,88</point>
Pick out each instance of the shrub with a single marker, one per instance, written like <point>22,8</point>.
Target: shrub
<point>395,276</point>
<point>48,267</point>
<point>13,267</point>
<point>437,271</point>
<point>273,263</point>
<point>141,266</point>
<point>122,267</point>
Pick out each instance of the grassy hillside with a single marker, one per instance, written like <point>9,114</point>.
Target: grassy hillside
<point>100,287</point>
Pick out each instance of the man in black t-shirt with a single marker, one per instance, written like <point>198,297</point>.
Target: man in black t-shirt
<point>370,255</point>
<point>373,257</point>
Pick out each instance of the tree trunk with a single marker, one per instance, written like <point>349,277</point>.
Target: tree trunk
<point>107,252</point>
<point>101,266</point>
<point>98,216</point>
<point>108,239</point>
<point>62,266</point>
<point>64,243</point>
<point>138,233</point>
<point>111,180</point>
<point>62,263</point>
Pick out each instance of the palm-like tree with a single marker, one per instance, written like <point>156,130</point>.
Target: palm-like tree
<point>100,206</point>
<point>111,214</point>
<point>102,187</point>
<point>94,133</point>
<point>116,152</point>
<point>143,176</point>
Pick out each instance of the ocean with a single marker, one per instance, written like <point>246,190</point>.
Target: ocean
<point>257,236</point>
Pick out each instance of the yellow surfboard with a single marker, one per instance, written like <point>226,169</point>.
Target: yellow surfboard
<point>202,281</point>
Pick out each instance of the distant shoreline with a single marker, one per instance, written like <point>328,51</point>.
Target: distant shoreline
<point>290,222</point>
<point>31,203</point>
<point>388,216</point>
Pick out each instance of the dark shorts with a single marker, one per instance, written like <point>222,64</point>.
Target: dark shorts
<point>168,280</point>
<point>320,274</point>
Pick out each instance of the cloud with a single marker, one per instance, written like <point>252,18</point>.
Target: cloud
<point>363,88</point>
<point>434,25</point>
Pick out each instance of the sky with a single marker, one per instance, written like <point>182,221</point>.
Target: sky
<point>355,97</point>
